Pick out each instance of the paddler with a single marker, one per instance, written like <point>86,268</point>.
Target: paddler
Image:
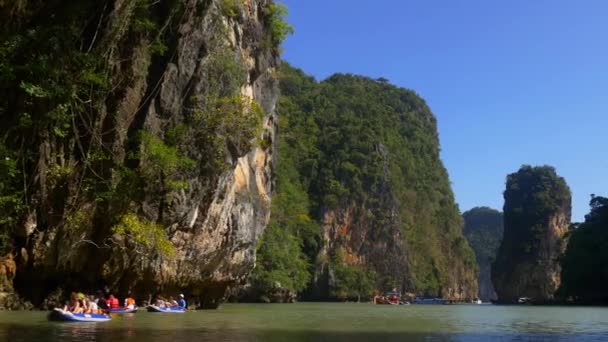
<point>113,302</point>
<point>129,303</point>
<point>182,302</point>
<point>102,304</point>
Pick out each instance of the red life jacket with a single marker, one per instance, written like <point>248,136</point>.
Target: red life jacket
<point>113,303</point>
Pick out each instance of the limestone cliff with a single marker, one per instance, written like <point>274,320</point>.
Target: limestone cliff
<point>483,228</point>
<point>353,238</point>
<point>142,134</point>
<point>537,213</point>
<point>376,210</point>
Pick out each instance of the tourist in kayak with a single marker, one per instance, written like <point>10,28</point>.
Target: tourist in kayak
<point>160,302</point>
<point>73,305</point>
<point>129,303</point>
<point>113,302</point>
<point>102,304</point>
<point>172,302</point>
<point>182,302</point>
<point>85,305</point>
<point>92,307</point>
<point>82,304</point>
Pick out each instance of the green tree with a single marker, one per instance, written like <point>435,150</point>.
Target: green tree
<point>351,281</point>
<point>585,262</point>
<point>286,251</point>
<point>279,29</point>
<point>483,228</point>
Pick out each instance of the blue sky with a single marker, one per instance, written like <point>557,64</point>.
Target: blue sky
<point>511,82</point>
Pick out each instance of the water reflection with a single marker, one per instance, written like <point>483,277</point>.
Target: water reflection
<point>77,332</point>
<point>85,332</point>
<point>323,322</point>
<point>80,331</point>
<point>72,332</point>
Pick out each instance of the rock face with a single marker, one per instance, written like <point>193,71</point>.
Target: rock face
<point>483,228</point>
<point>366,154</point>
<point>537,215</point>
<point>170,119</point>
<point>386,251</point>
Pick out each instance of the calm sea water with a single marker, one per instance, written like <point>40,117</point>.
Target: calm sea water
<point>325,322</point>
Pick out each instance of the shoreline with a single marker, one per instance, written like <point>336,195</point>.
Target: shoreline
<point>485,304</point>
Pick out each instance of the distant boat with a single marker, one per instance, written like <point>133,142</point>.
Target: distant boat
<point>476,301</point>
<point>173,309</point>
<point>524,300</point>
<point>61,315</point>
<point>433,300</point>
<point>392,298</point>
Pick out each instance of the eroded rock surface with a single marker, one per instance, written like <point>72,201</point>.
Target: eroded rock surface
<point>185,66</point>
<point>537,214</point>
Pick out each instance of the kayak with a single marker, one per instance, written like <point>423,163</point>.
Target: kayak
<point>60,315</point>
<point>123,310</point>
<point>173,309</point>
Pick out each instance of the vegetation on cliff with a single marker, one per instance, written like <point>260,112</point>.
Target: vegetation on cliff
<point>120,121</point>
<point>281,260</point>
<point>286,252</point>
<point>363,148</point>
<point>537,214</point>
<point>483,228</point>
<point>59,80</point>
<point>585,262</point>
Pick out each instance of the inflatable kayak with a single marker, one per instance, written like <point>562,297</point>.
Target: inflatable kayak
<point>173,309</point>
<point>61,315</point>
<point>123,310</point>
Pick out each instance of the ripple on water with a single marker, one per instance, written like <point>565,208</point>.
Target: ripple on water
<point>324,322</point>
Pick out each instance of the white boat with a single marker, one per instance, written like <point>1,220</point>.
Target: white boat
<point>524,300</point>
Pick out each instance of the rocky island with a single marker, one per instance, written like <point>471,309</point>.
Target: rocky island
<point>362,196</point>
<point>537,214</point>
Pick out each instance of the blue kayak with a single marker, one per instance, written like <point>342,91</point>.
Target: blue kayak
<point>66,316</point>
<point>173,309</point>
<point>123,310</point>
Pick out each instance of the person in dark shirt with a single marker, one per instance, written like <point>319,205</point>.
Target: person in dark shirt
<point>102,304</point>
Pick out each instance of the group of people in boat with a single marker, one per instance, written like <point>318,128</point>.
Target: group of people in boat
<point>389,298</point>
<point>96,304</point>
<point>392,297</point>
<point>163,302</point>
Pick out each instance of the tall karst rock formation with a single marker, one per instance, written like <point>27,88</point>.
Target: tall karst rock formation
<point>537,213</point>
<point>364,160</point>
